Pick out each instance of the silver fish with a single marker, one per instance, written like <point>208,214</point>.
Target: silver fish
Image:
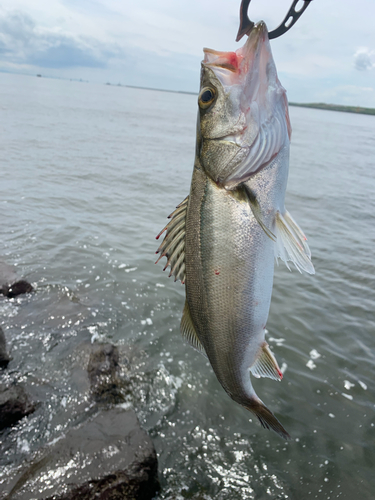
<point>223,238</point>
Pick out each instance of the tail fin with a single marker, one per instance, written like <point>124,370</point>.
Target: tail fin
<point>267,418</point>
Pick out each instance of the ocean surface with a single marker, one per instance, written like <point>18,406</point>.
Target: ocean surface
<point>89,174</point>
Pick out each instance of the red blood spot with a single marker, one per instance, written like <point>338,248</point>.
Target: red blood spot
<point>158,236</point>
<point>217,272</point>
<point>280,374</point>
<point>232,59</point>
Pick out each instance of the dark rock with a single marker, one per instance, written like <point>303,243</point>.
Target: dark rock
<point>8,275</point>
<point>14,405</point>
<point>17,288</point>
<point>108,457</point>
<point>4,358</point>
<point>103,370</point>
<point>136,484</point>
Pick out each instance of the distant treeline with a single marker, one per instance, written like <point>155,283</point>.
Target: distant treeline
<point>317,105</point>
<point>335,107</point>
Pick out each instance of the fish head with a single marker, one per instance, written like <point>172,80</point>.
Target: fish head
<point>243,119</point>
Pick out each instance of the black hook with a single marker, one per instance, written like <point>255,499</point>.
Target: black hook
<point>290,19</point>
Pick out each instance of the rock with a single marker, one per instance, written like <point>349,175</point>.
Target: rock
<point>103,370</point>
<point>8,275</point>
<point>108,457</point>
<point>17,288</point>
<point>4,358</point>
<point>14,405</point>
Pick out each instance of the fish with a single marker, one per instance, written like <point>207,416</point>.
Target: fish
<point>223,238</point>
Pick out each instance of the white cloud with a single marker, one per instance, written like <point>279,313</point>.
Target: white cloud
<point>22,41</point>
<point>364,59</point>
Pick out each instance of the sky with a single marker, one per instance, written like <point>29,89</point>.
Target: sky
<point>328,56</point>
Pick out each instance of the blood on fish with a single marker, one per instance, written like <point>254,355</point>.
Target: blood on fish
<point>217,272</point>
<point>226,60</point>
<point>232,60</point>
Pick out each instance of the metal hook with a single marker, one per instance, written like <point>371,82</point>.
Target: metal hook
<point>290,19</point>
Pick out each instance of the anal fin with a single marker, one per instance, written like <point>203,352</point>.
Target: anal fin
<point>266,365</point>
<point>188,330</point>
<point>291,243</point>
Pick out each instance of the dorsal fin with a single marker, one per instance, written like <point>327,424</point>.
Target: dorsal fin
<point>173,245</point>
<point>188,330</point>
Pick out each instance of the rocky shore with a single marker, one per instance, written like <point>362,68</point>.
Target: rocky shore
<point>106,455</point>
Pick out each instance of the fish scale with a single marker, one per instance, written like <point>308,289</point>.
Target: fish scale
<point>229,324</point>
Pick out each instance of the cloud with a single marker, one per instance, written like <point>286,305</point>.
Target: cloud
<point>23,42</point>
<point>27,46</point>
<point>364,59</point>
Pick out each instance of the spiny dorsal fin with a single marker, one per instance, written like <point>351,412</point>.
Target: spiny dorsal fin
<point>173,245</point>
<point>266,365</point>
<point>188,330</point>
<point>291,244</point>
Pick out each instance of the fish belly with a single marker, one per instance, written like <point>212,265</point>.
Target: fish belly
<point>229,277</point>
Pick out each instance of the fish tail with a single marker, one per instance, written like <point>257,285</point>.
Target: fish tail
<point>267,418</point>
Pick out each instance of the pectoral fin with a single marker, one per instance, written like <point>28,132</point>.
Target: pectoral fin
<point>188,330</point>
<point>266,365</point>
<point>255,208</point>
<point>173,245</point>
<point>291,244</point>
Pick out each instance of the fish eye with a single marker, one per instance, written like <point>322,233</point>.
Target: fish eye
<point>206,97</point>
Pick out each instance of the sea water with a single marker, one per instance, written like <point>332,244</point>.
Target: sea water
<point>88,175</point>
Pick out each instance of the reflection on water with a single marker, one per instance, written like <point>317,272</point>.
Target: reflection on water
<point>89,175</point>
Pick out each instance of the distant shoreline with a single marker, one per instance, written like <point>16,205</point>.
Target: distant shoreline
<point>158,90</point>
<point>315,105</point>
<point>335,107</point>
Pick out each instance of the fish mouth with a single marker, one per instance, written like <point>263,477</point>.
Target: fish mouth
<point>237,137</point>
<point>232,67</point>
<point>233,139</point>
